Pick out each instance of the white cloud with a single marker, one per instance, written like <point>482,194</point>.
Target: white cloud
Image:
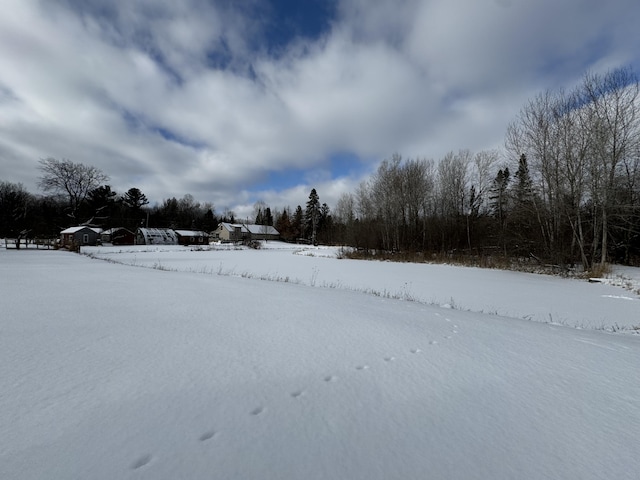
<point>135,91</point>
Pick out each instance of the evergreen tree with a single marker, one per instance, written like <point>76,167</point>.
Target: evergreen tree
<point>15,204</point>
<point>268,217</point>
<point>134,199</point>
<point>100,205</point>
<point>283,225</point>
<point>209,222</point>
<point>524,185</point>
<point>522,213</point>
<point>297,225</point>
<point>325,224</point>
<point>259,217</point>
<point>312,217</point>
<point>498,197</point>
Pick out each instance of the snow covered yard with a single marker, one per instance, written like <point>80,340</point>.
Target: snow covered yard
<point>198,369</point>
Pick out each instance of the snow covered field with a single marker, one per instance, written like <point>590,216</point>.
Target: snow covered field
<point>199,369</point>
<point>544,298</point>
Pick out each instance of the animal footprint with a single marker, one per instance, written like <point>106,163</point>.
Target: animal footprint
<point>362,367</point>
<point>330,378</point>
<point>207,436</point>
<point>415,350</point>
<point>257,411</point>
<point>141,462</point>
<point>389,359</point>
<point>433,342</point>
<point>297,394</point>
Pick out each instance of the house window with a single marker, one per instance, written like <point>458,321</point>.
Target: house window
<point>85,238</point>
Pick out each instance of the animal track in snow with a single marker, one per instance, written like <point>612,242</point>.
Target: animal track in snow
<point>415,350</point>
<point>389,359</point>
<point>330,378</point>
<point>297,394</point>
<point>433,342</point>
<point>362,367</point>
<point>141,462</point>
<point>257,411</point>
<point>207,436</point>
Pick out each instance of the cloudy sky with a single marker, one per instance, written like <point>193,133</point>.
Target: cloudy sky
<point>234,101</point>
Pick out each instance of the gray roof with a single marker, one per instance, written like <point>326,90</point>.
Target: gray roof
<point>191,233</point>
<point>251,228</point>
<point>262,230</point>
<point>81,227</point>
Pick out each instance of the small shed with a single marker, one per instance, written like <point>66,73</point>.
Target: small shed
<point>156,236</point>
<point>118,236</point>
<point>192,237</point>
<point>80,235</point>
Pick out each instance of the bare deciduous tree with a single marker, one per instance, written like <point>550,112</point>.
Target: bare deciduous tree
<point>615,113</point>
<point>74,180</point>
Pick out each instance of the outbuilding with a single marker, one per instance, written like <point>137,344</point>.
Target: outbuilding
<point>156,236</point>
<point>192,237</point>
<point>118,236</point>
<point>240,232</point>
<point>80,235</point>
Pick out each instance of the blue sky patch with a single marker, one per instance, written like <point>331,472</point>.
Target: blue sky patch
<point>289,20</point>
<point>338,165</point>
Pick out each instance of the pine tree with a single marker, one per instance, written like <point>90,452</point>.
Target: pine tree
<point>259,217</point>
<point>134,199</point>
<point>499,195</point>
<point>283,225</point>
<point>524,185</point>
<point>101,203</point>
<point>298,218</point>
<point>325,223</point>
<point>523,210</point>
<point>267,217</point>
<point>312,216</point>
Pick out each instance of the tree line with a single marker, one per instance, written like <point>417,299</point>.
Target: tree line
<point>77,194</point>
<point>565,189</point>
